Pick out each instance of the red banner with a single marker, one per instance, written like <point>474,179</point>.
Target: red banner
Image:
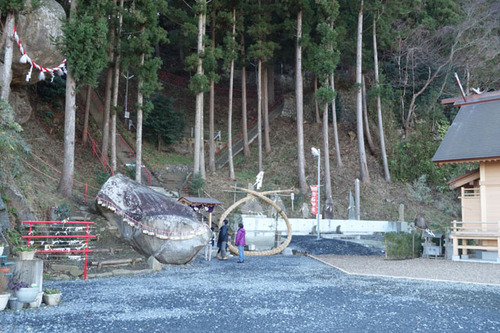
<point>314,199</point>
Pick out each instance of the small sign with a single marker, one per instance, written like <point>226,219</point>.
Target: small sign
<point>127,114</point>
<point>314,199</point>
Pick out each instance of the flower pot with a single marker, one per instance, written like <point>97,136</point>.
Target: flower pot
<point>26,295</point>
<point>38,300</point>
<point>15,304</point>
<point>26,255</point>
<point>4,299</point>
<point>51,299</point>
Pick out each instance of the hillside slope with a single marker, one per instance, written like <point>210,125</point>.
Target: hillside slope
<point>379,200</point>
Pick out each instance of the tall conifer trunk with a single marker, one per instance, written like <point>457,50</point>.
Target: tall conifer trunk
<point>138,139</point>
<point>244,120</point>
<point>265,105</point>
<point>387,175</point>
<point>199,97</point>
<point>300,103</point>
<point>363,166</point>
<point>230,111</point>
<point>211,114</point>
<point>65,186</point>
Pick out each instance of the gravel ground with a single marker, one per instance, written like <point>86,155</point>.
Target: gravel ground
<point>272,294</point>
<point>311,245</point>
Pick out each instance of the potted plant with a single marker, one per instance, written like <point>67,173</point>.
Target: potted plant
<point>38,300</point>
<point>23,291</point>
<point>25,253</point>
<point>14,303</point>
<point>51,296</point>
<point>4,299</point>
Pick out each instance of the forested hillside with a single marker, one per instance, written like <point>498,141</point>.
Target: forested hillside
<point>360,80</point>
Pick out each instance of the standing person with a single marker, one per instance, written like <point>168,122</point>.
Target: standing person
<point>240,243</point>
<point>222,241</point>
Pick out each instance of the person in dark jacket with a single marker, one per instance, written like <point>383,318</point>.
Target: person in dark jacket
<point>240,243</point>
<point>222,241</point>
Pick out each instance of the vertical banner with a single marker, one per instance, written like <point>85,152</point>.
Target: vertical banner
<point>314,199</point>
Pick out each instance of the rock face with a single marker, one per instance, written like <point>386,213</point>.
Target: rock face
<point>152,223</point>
<point>36,29</point>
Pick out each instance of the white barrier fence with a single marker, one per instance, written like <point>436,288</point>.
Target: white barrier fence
<point>261,229</point>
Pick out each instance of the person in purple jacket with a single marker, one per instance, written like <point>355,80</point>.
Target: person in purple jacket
<point>240,243</point>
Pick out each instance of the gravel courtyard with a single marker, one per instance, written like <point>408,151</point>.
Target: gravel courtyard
<point>264,294</point>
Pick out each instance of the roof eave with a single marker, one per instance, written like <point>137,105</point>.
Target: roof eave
<point>468,160</point>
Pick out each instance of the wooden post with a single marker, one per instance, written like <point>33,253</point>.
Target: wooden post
<point>456,256</point>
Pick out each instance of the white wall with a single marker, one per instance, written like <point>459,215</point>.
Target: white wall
<point>264,227</point>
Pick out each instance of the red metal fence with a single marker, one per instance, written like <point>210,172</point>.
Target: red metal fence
<point>60,237</point>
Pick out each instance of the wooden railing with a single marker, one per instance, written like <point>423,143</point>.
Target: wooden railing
<point>485,234</point>
<point>471,192</point>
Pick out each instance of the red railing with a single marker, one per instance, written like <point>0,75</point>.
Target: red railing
<point>132,153</point>
<point>57,234</point>
<point>96,152</point>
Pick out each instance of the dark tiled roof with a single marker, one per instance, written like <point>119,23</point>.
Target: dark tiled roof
<point>473,135</point>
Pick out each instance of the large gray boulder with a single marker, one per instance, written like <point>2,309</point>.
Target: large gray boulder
<point>152,223</point>
<point>36,30</point>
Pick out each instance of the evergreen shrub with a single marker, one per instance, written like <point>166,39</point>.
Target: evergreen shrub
<point>402,245</point>
<point>163,124</point>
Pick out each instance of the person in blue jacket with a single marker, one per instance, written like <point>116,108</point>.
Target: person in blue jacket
<point>240,243</point>
<point>222,241</point>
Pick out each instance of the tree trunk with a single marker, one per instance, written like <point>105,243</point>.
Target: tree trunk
<point>326,153</point>
<point>65,186</point>
<point>387,174</point>
<point>107,100</point>
<point>230,111</point>
<point>211,129</point>
<point>369,140</point>
<point>202,122</point>
<point>259,111</point>
<point>265,104</point>
<point>244,120</point>
<point>199,100</point>
<point>334,125</point>
<point>300,108</point>
<point>10,22</point>
<point>88,100</point>
<point>138,139</point>
<point>363,166</point>
<point>116,84</point>
<point>316,106</point>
